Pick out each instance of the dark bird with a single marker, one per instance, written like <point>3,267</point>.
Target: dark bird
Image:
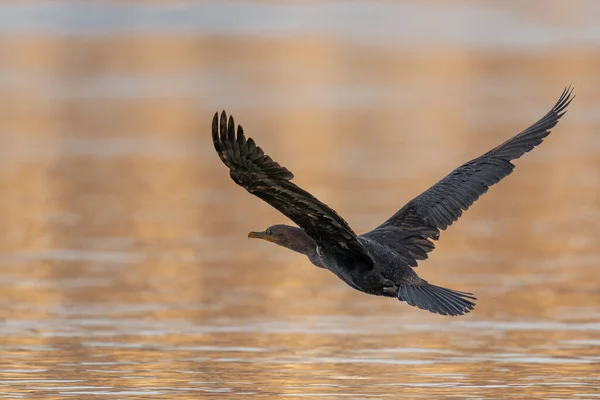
<point>379,262</point>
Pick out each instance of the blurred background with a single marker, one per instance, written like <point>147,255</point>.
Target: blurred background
<point>124,264</point>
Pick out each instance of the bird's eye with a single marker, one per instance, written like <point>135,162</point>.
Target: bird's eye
<point>269,231</point>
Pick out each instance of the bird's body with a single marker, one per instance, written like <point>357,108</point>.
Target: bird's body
<point>380,262</point>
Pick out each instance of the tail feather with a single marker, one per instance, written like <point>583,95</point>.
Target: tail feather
<point>437,299</point>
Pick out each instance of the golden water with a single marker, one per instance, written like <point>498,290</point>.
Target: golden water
<point>125,271</point>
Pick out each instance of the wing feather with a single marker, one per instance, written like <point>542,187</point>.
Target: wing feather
<point>411,229</point>
<point>255,171</point>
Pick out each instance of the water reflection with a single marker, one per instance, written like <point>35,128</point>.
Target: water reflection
<point>124,265</point>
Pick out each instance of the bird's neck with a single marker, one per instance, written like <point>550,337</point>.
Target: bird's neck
<point>303,244</point>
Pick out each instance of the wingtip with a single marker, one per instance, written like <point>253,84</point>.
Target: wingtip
<point>565,99</point>
<point>232,148</point>
<point>568,92</point>
<point>241,138</point>
<point>231,129</point>
<point>215,131</point>
<point>570,86</point>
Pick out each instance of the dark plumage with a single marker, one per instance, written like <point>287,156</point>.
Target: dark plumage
<point>381,261</point>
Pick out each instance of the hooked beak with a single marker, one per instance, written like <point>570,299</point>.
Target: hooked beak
<point>260,235</point>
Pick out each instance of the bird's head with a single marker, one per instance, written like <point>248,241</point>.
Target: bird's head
<point>278,234</point>
<point>287,236</point>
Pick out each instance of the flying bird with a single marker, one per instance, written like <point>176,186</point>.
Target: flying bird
<point>380,262</point>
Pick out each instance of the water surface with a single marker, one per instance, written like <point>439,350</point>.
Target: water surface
<point>125,271</point>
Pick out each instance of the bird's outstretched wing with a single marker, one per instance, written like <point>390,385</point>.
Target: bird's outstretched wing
<point>411,229</point>
<point>256,172</point>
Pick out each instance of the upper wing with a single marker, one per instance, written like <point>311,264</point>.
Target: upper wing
<point>409,230</point>
<point>266,179</point>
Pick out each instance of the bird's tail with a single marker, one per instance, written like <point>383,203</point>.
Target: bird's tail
<point>437,299</point>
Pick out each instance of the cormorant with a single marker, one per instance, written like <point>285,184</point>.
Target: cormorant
<point>379,262</point>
